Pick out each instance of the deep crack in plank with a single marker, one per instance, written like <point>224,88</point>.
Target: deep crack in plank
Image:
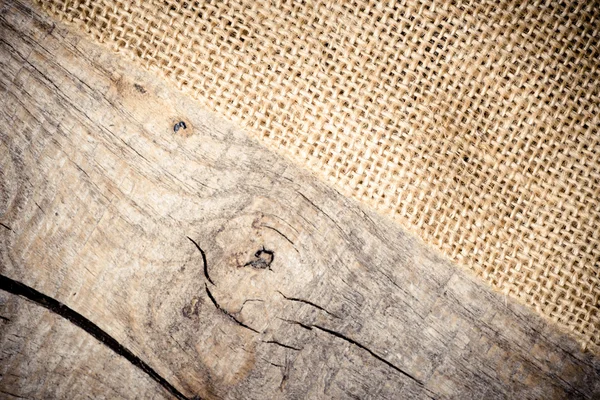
<point>224,311</point>
<point>53,305</point>
<point>310,303</point>
<point>203,260</point>
<point>357,344</point>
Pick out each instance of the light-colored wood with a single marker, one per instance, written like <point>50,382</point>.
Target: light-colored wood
<point>44,357</point>
<point>101,203</point>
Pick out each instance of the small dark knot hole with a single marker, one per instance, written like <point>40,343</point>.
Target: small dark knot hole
<point>179,125</point>
<point>263,259</point>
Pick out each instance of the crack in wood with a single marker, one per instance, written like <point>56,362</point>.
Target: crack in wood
<point>41,209</point>
<point>316,206</point>
<point>361,346</point>
<point>285,374</point>
<point>309,303</point>
<point>278,231</point>
<point>371,352</point>
<point>275,365</point>
<point>13,395</point>
<point>289,321</point>
<point>53,305</point>
<point>203,260</point>
<point>227,313</point>
<point>282,345</point>
<point>6,226</point>
<point>247,301</point>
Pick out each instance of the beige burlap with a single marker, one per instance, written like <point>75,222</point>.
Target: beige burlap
<point>475,123</point>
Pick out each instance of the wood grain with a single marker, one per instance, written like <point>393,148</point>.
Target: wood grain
<point>231,272</point>
<point>46,357</point>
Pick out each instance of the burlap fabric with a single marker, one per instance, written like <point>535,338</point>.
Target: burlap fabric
<point>475,124</point>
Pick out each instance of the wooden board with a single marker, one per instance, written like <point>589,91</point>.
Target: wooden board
<point>223,268</point>
<point>45,356</point>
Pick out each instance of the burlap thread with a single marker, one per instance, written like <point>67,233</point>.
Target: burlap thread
<point>476,124</point>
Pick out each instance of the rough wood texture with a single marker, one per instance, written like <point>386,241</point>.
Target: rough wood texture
<point>46,357</point>
<point>228,271</point>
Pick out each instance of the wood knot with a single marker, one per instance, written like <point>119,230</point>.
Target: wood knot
<point>263,259</point>
<point>179,125</point>
<point>192,310</point>
<point>139,88</point>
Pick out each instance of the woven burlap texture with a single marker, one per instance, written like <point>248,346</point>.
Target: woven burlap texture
<point>476,124</point>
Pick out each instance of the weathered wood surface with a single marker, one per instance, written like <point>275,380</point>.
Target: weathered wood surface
<point>45,357</point>
<point>100,206</point>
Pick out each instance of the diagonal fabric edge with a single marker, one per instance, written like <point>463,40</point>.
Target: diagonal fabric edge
<point>476,125</point>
